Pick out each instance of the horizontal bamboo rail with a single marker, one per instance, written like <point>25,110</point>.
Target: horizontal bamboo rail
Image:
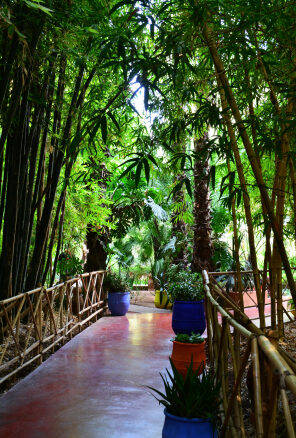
<point>34,322</point>
<point>220,278</point>
<point>266,370</point>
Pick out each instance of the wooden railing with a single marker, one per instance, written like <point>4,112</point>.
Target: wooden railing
<point>33,323</point>
<point>275,306</point>
<point>251,366</point>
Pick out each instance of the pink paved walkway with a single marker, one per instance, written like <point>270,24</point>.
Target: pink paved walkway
<point>92,387</point>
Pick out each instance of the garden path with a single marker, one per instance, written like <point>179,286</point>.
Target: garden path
<point>93,387</point>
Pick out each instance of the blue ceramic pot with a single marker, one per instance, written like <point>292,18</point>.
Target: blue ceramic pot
<point>179,427</point>
<point>118,302</point>
<point>188,317</point>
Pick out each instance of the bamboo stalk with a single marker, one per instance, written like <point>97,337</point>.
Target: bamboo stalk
<point>257,389</point>
<point>287,413</point>
<point>235,389</point>
<point>278,362</point>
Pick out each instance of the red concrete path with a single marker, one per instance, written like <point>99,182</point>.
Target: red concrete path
<point>92,387</point>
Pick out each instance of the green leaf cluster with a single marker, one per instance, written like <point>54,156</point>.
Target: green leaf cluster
<point>194,338</point>
<point>116,283</point>
<point>192,397</point>
<point>184,285</point>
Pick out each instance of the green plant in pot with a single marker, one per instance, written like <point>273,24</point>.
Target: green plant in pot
<point>191,404</point>
<point>118,289</point>
<point>161,299</point>
<point>188,349</point>
<point>185,290</point>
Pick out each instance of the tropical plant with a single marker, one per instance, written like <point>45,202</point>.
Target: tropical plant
<point>192,397</point>
<point>115,283</point>
<point>184,285</point>
<point>69,265</point>
<point>194,338</point>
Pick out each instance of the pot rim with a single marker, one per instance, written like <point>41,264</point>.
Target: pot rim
<point>187,420</point>
<point>188,302</point>
<point>126,292</point>
<point>190,343</point>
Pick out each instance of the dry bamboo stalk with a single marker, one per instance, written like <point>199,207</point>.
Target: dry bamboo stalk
<point>17,297</point>
<point>224,342</point>
<point>86,288</point>
<point>18,369</point>
<point>221,344</point>
<point>33,318</point>
<point>270,420</point>
<point>91,316</point>
<point>209,329</point>
<point>289,359</point>
<point>50,309</point>
<point>287,313</point>
<point>237,401</point>
<point>11,331</point>
<point>287,412</point>
<point>245,321</point>
<point>16,317</point>
<point>235,324</point>
<point>30,330</point>
<point>278,362</point>
<point>257,389</point>
<point>235,389</point>
<point>220,367</point>
<point>217,274</point>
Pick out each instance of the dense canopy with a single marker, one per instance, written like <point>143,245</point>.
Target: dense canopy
<point>155,132</point>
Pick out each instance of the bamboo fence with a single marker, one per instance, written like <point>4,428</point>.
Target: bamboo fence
<point>279,309</point>
<point>248,359</point>
<point>34,322</point>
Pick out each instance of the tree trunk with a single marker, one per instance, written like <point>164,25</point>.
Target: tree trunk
<point>202,241</point>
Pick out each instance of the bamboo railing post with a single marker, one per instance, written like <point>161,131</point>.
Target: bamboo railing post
<point>236,367</point>
<point>209,329</point>
<point>40,324</point>
<point>61,309</point>
<point>257,389</point>
<point>79,309</point>
<point>235,389</point>
<point>286,408</point>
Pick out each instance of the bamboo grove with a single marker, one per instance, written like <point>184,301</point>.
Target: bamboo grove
<point>219,77</point>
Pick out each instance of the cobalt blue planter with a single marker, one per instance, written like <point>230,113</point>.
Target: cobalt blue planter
<point>179,427</point>
<point>118,302</point>
<point>188,317</point>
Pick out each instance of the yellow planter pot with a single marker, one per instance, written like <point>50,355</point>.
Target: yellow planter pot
<point>162,303</point>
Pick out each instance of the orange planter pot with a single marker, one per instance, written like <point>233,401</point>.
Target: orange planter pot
<point>182,354</point>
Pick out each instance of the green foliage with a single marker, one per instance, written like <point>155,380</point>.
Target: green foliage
<point>69,266</point>
<point>184,285</point>
<point>194,338</point>
<point>223,255</point>
<point>116,283</point>
<point>291,304</point>
<point>192,397</point>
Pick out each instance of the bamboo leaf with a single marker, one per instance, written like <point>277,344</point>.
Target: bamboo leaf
<point>127,170</point>
<point>104,128</point>
<point>138,172</point>
<point>113,120</point>
<point>35,5</point>
<point>188,187</point>
<point>151,158</point>
<point>147,169</point>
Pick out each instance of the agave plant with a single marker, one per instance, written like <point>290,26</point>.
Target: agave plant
<point>193,397</point>
<point>194,338</point>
